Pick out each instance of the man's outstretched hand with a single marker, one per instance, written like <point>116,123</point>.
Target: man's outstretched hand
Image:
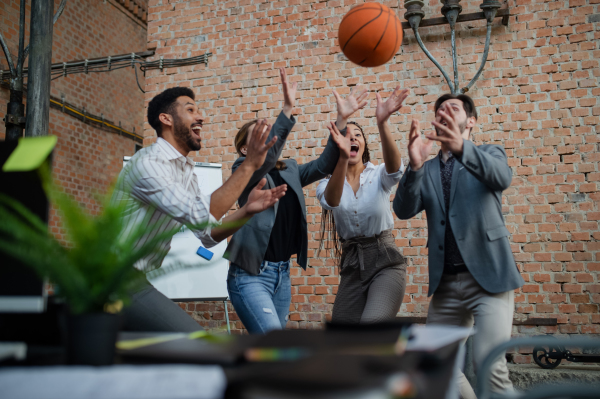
<point>257,145</point>
<point>260,199</point>
<point>418,150</point>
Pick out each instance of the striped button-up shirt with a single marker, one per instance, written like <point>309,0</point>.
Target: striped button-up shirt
<point>158,187</point>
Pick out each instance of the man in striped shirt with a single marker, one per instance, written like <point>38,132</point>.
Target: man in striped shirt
<point>158,188</point>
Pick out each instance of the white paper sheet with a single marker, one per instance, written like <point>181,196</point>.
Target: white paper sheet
<point>432,337</point>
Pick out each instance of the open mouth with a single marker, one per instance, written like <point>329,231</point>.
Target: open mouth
<point>196,129</point>
<point>354,150</point>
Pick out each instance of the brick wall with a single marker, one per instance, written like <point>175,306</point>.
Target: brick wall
<point>87,159</point>
<point>537,97</point>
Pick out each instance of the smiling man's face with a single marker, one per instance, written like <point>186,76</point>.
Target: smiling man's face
<point>187,124</point>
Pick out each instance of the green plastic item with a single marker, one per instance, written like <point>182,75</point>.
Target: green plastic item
<point>30,153</point>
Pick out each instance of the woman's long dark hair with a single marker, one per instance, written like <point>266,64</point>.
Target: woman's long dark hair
<point>328,221</point>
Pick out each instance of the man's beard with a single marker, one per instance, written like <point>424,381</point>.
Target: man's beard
<point>461,126</point>
<point>183,135</point>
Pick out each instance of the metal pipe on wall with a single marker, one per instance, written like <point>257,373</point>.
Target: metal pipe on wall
<point>40,60</point>
<point>15,110</point>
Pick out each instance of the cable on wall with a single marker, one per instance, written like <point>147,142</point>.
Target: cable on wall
<point>84,116</point>
<point>115,62</point>
<point>94,119</point>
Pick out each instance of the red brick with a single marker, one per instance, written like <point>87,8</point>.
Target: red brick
<point>541,76</point>
<point>579,298</point>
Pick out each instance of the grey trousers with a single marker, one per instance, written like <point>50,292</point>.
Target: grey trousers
<point>151,311</point>
<point>460,301</point>
<point>373,280</point>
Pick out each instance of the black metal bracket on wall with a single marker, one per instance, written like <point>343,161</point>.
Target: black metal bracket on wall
<point>451,10</point>
<point>475,16</point>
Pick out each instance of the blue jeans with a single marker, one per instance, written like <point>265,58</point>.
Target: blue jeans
<point>262,302</point>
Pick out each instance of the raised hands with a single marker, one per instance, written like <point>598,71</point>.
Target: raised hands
<point>289,93</point>
<point>392,104</point>
<point>257,145</point>
<point>335,186</point>
<point>260,199</point>
<point>343,142</point>
<point>391,154</point>
<point>349,105</point>
<point>418,150</point>
<point>448,131</point>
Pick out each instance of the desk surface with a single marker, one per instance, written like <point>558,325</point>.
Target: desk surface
<point>113,382</point>
<point>350,363</point>
<point>319,363</point>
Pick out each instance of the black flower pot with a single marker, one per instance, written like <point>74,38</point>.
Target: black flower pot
<point>91,338</point>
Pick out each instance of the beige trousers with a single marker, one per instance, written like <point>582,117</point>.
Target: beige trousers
<point>460,301</point>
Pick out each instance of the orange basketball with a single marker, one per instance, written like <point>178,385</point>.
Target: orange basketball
<point>370,34</point>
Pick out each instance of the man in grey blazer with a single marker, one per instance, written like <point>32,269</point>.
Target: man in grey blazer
<point>472,272</point>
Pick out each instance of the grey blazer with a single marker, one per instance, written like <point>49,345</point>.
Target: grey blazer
<point>248,245</point>
<point>478,179</point>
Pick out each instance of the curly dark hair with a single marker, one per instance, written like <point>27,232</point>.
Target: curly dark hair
<point>164,103</point>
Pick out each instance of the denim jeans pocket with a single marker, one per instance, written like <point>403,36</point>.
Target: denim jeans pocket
<point>234,271</point>
<point>263,267</point>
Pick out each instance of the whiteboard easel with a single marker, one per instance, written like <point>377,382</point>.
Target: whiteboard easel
<point>208,281</point>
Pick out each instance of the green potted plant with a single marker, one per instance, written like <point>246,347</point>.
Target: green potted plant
<point>93,274</point>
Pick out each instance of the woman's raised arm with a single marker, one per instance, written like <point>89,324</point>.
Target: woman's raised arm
<point>335,186</point>
<point>391,154</point>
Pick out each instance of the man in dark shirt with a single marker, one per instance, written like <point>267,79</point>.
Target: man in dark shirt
<point>472,272</point>
<point>453,261</point>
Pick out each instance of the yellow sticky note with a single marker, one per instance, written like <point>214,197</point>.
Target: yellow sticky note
<point>30,153</point>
